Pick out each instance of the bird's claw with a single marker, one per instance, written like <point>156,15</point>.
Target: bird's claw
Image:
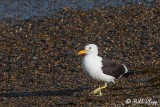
<point>99,90</point>
<point>96,91</point>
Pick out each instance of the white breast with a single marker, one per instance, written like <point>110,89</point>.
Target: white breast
<point>92,67</point>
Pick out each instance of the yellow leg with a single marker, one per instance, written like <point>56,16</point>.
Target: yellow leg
<point>99,90</point>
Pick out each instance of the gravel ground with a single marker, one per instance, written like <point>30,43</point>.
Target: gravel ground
<point>39,65</point>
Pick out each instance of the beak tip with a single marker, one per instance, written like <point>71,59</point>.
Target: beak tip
<point>81,52</point>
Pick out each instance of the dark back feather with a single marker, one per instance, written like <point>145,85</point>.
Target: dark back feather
<point>112,69</point>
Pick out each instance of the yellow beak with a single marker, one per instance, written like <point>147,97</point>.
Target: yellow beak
<point>82,52</point>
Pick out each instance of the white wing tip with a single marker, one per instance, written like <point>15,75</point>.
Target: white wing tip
<point>126,70</point>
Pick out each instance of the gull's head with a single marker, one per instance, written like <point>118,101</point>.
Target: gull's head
<point>90,49</point>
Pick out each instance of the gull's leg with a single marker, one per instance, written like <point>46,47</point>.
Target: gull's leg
<point>100,93</point>
<point>99,89</point>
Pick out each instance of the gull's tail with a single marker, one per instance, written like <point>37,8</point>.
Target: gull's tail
<point>129,73</point>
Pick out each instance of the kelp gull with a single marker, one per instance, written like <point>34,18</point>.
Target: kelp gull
<point>100,69</point>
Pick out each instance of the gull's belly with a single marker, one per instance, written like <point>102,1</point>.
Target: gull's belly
<point>93,69</point>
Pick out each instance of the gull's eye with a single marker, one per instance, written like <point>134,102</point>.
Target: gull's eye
<point>90,48</point>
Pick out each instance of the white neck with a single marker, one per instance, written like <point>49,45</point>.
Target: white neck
<point>95,53</point>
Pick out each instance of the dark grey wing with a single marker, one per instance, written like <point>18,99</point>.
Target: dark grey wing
<point>111,68</point>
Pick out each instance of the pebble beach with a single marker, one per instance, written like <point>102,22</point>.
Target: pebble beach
<point>40,65</point>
